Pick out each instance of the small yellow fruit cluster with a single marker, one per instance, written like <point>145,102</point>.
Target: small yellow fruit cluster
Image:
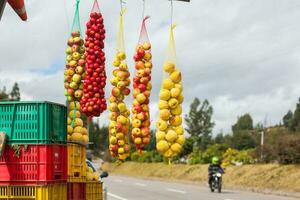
<point>170,132</point>
<point>75,65</point>
<point>91,175</point>
<point>142,88</point>
<point>119,113</point>
<point>76,130</point>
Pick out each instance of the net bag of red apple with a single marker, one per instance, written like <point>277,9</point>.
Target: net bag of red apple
<point>93,102</point>
<point>140,134</point>
<point>170,132</point>
<point>74,74</point>
<point>119,112</point>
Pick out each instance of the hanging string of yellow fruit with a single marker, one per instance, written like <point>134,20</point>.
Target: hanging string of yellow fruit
<point>74,75</point>
<point>119,113</point>
<point>170,133</point>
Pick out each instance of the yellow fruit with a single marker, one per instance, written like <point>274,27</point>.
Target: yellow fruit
<point>176,147</point>
<point>173,103</point>
<point>96,176</point>
<point>168,84</point>
<point>77,129</point>
<point>161,125</point>
<point>69,121</point>
<point>78,122</point>
<point>121,150</point>
<point>176,120</point>
<point>175,76</point>
<point>164,95</point>
<point>89,176</point>
<point>138,140</point>
<point>162,146</point>
<point>84,131</point>
<point>73,114</point>
<point>120,135</point>
<point>179,86</point>
<point>90,170</point>
<point>179,130</point>
<point>116,63</point>
<point>76,137</point>
<point>169,67</point>
<point>177,110</point>
<point>163,104</point>
<point>168,154</point>
<point>85,139</point>
<point>113,140</point>
<point>69,137</point>
<point>160,135</point>
<point>180,140</point>
<point>171,136</point>
<point>72,106</point>
<point>180,99</point>
<point>70,130</point>
<point>121,56</point>
<point>175,92</point>
<point>165,114</point>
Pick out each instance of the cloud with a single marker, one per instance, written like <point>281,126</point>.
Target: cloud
<point>240,55</point>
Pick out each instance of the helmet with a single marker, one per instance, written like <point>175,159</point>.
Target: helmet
<point>215,160</point>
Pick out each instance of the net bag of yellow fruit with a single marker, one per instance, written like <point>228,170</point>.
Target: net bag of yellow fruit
<point>140,134</point>
<point>76,130</point>
<point>169,129</point>
<point>119,113</point>
<point>75,61</point>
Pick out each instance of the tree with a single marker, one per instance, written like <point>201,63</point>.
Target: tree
<point>295,121</point>
<point>287,118</point>
<point>199,122</point>
<point>242,138</point>
<point>3,95</point>
<point>219,139</point>
<point>15,93</point>
<point>244,122</point>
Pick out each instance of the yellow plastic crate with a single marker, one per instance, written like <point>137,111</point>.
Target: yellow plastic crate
<point>49,192</point>
<point>76,163</point>
<point>94,190</point>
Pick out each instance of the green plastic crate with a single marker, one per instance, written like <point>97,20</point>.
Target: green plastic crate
<point>33,122</point>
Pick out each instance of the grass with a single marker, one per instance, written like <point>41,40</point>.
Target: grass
<point>258,177</point>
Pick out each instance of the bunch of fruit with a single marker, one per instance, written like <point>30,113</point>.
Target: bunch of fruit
<point>76,130</point>
<point>170,132</point>
<point>93,101</point>
<point>91,175</point>
<point>142,88</point>
<point>75,67</point>
<point>119,113</point>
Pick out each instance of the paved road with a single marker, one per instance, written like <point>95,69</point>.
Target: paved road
<point>125,188</point>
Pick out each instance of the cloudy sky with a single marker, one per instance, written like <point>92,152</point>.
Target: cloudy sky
<point>243,56</point>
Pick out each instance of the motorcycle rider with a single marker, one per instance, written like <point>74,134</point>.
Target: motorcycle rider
<point>213,168</point>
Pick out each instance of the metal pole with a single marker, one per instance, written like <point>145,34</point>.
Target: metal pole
<point>262,144</point>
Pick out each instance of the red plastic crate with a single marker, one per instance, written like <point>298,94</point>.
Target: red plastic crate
<point>76,191</point>
<point>36,164</point>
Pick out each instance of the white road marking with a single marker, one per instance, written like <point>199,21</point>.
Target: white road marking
<point>118,180</point>
<point>174,190</point>
<point>116,196</point>
<point>140,184</point>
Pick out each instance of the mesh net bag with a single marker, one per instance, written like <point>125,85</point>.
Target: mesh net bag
<point>119,113</point>
<point>93,102</point>
<point>170,133</point>
<point>140,134</point>
<point>74,75</point>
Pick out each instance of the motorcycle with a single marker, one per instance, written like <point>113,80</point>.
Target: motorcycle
<point>216,182</point>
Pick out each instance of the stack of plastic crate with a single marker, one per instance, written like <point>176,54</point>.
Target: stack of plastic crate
<point>76,171</point>
<point>34,162</point>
